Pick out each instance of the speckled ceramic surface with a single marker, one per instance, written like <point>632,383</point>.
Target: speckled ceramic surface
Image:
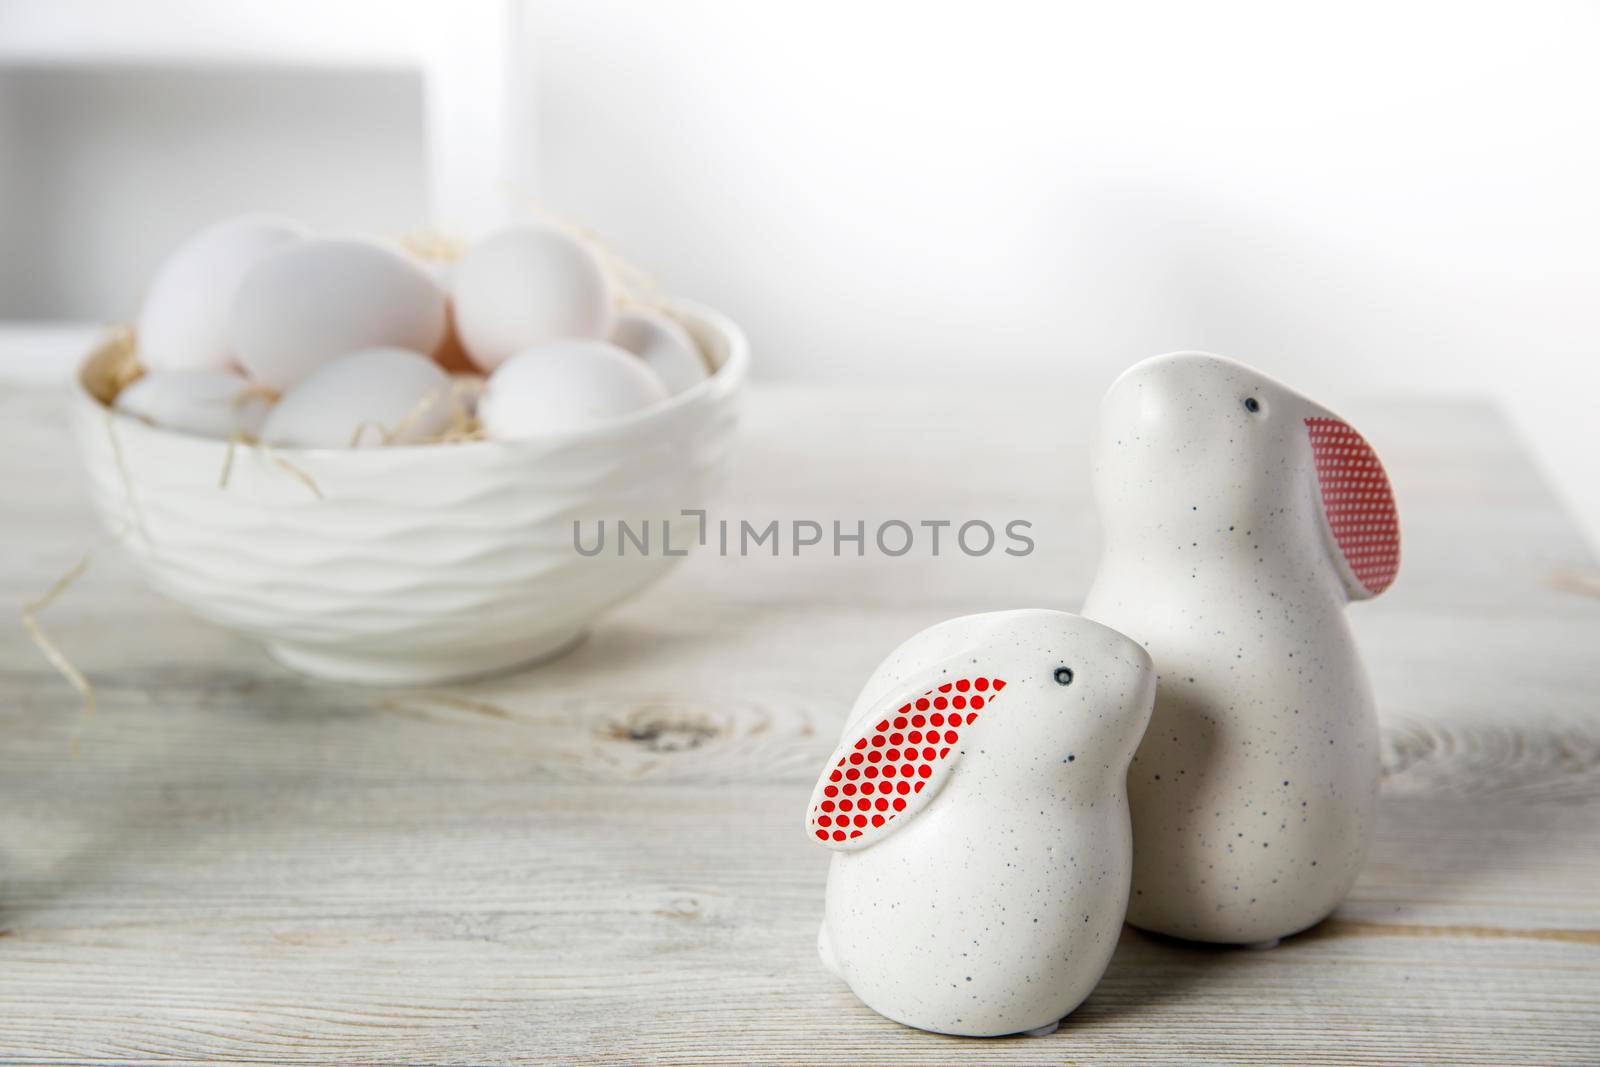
<point>977,808</point>
<point>1239,519</point>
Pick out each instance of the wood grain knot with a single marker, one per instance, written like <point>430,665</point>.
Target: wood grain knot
<point>681,909</point>
<point>1547,763</point>
<point>663,730</point>
<point>703,741</point>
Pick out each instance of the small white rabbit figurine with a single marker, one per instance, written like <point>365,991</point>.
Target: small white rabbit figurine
<point>978,811</point>
<point>1239,518</point>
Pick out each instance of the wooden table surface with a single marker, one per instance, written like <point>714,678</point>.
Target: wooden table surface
<point>602,860</point>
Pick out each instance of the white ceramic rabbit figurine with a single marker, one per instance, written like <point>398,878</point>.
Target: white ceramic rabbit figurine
<point>1239,518</point>
<point>978,811</point>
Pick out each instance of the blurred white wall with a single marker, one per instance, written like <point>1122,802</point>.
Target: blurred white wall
<point>1356,197</point>
<point>126,126</point>
<point>107,168</point>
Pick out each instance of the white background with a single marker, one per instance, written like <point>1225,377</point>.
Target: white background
<point>1356,198</point>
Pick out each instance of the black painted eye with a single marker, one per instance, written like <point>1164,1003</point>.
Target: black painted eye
<point>1252,405</point>
<point>1063,675</point>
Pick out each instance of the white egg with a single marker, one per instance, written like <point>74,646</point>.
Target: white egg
<point>208,403</point>
<point>565,385</point>
<point>663,345</point>
<point>372,397</point>
<point>183,323</point>
<point>443,271</point>
<point>527,285</point>
<point>304,305</point>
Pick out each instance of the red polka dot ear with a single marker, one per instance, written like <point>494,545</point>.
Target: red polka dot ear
<point>1357,503</point>
<point>895,762</point>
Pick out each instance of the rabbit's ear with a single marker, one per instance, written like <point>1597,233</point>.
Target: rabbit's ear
<point>1358,506</point>
<point>899,755</point>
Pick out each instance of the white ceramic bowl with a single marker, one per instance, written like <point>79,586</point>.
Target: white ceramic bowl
<point>415,564</point>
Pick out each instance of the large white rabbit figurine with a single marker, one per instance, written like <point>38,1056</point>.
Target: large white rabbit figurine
<point>979,817</point>
<point>1239,519</point>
